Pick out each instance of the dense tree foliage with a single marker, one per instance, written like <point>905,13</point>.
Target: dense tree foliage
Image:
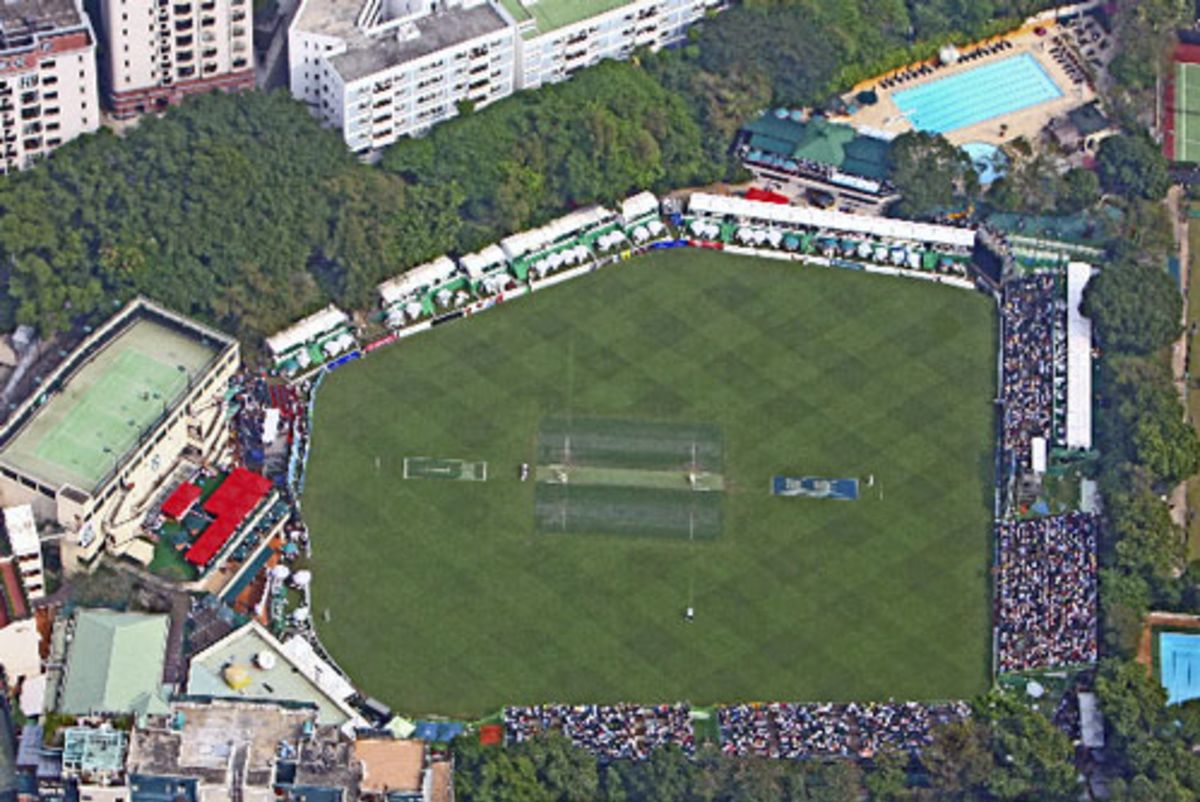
<point>1145,30</point>
<point>930,173</point>
<point>1154,745</point>
<point>607,132</point>
<point>1133,166</point>
<point>237,209</point>
<point>1135,309</point>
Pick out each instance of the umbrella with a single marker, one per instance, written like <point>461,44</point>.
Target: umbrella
<point>443,297</point>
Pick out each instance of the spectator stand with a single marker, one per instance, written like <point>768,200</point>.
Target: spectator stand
<point>311,342</point>
<point>565,242</point>
<point>408,297</point>
<point>823,237</point>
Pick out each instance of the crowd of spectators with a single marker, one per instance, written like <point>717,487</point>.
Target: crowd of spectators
<point>1027,391</point>
<point>614,732</point>
<point>784,730</point>
<point>1046,592</point>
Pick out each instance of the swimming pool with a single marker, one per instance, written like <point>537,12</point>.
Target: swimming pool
<point>1179,665</point>
<point>965,98</point>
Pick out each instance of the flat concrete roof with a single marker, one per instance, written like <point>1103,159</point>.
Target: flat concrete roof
<point>21,18</point>
<point>366,55</point>
<point>282,682</point>
<point>86,427</point>
<point>549,15</point>
<point>212,735</point>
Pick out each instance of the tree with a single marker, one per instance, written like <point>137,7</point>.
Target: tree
<point>1133,166</point>
<point>1134,309</point>
<point>929,173</point>
<point>1080,190</point>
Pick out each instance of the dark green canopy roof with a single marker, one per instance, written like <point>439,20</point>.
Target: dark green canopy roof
<point>821,141</point>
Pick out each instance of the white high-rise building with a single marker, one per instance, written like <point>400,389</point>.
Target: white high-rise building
<point>47,78</point>
<point>560,37</point>
<point>381,69</point>
<point>159,51</point>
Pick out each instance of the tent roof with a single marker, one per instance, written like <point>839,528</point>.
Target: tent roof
<point>831,221</point>
<point>398,287</point>
<point>304,330</point>
<point>1079,359</point>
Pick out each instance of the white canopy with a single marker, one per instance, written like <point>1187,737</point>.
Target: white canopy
<point>810,217</point>
<point>270,426</point>
<point>480,262</point>
<point>638,205</point>
<point>400,287</point>
<point>306,330</point>
<point>525,242</point>
<point>1037,455</point>
<point>1079,360</point>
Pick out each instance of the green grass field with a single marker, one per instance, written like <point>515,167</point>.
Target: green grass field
<point>442,597</point>
<point>1187,112</point>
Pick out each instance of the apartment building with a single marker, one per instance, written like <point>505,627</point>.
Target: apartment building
<point>381,69</point>
<point>160,51</point>
<point>560,37</point>
<point>48,92</point>
<point>26,546</point>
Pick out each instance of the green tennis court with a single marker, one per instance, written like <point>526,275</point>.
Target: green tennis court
<point>1187,112</point>
<point>84,429</point>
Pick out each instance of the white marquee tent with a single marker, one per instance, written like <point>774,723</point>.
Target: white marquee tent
<point>809,217</point>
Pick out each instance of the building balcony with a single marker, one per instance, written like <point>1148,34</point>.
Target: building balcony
<point>184,25</point>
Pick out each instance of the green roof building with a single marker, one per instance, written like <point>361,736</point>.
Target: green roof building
<point>115,664</point>
<point>818,140</point>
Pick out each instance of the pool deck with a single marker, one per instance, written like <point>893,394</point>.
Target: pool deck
<point>886,115</point>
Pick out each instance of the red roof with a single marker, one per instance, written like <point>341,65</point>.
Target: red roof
<point>12,586</point>
<point>240,493</point>
<point>180,501</point>
<point>756,194</point>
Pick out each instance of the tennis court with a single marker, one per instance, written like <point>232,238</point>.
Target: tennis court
<point>1187,112</point>
<point>84,430</point>
<point>974,96</point>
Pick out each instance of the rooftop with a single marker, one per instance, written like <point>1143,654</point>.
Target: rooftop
<point>203,739</point>
<point>19,19</point>
<point>91,750</point>
<point>84,426</point>
<point>821,141</point>
<point>366,54</point>
<point>115,663</point>
<point>390,765</point>
<point>549,15</point>
<point>236,668</point>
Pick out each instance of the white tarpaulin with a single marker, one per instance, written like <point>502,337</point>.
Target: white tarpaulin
<point>307,330</point>
<point>1091,721</point>
<point>569,225</point>
<point>1038,454</point>
<point>822,219</point>
<point>637,206</point>
<point>426,275</point>
<point>1079,360</point>
<point>480,262</point>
